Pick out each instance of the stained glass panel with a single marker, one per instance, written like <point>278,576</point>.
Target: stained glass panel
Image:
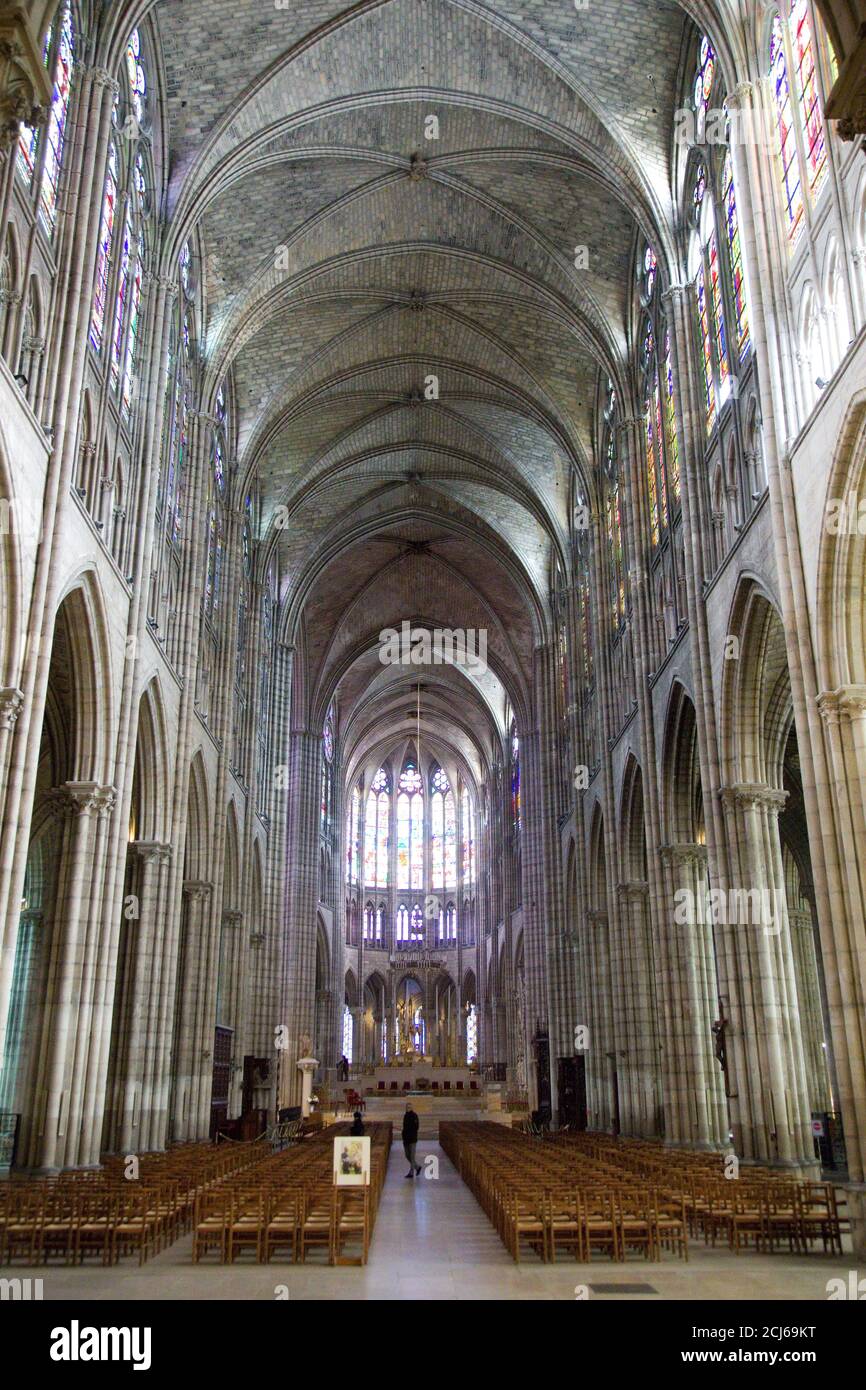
<point>735,255</point>
<point>719,321</point>
<point>787,142</point>
<point>56,131</point>
<point>706,351</point>
<point>135,75</point>
<point>671,419</point>
<point>120,303</point>
<point>132,335</point>
<point>807,94</point>
<point>704,79</point>
<point>103,255</point>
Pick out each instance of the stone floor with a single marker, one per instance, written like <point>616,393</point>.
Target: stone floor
<point>432,1241</point>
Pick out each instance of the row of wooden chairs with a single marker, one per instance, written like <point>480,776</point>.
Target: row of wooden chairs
<point>289,1207</point>
<point>107,1214</point>
<point>639,1192</point>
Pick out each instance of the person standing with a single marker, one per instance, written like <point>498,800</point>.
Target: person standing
<point>410,1139</point>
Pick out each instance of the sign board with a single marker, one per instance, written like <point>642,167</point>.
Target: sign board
<point>351,1161</point>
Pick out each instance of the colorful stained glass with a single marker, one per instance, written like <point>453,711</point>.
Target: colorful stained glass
<point>180,473</point>
<point>353,848</point>
<point>103,256</point>
<point>468,836</point>
<point>719,321</point>
<point>410,846</point>
<point>184,266</point>
<point>417,922</point>
<point>704,79</point>
<point>735,256</point>
<point>808,97</point>
<point>471,1035</point>
<point>376,831</point>
<point>515,779</point>
<point>787,141</point>
<point>652,489</point>
<point>56,131</point>
<point>120,304</point>
<point>450,840</point>
<point>660,466</point>
<point>132,335</point>
<point>706,351</point>
<point>27,135</point>
<point>650,272</point>
<point>585,624</point>
<point>437,839</point>
<point>135,75</point>
<point>671,421</point>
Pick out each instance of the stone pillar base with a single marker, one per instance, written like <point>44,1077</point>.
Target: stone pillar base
<point>856,1199</point>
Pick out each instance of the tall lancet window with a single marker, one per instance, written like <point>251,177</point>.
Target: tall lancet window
<point>468,836</point>
<point>376,840</point>
<point>353,836</point>
<point>443,831</point>
<point>47,146</point>
<point>515,777</point>
<point>410,828</point>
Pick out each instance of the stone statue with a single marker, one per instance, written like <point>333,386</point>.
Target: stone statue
<point>305,1045</point>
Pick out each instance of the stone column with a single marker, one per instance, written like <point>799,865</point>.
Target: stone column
<point>299,996</point>
<point>695,1111</point>
<point>80,804</point>
<point>773,1113</point>
<point>641,1013</point>
<point>811,1013</point>
<point>601,1043</point>
<point>135,1095</point>
<point>193,1038</point>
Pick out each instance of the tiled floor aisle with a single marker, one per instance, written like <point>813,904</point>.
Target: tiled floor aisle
<point>432,1241</point>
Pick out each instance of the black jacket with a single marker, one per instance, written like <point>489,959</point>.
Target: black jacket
<point>410,1127</point>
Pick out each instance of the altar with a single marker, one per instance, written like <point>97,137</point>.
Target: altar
<point>417,1073</point>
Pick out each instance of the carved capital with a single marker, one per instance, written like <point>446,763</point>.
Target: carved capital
<point>11,702</point>
<point>150,851</point>
<point>82,799</point>
<point>678,855</point>
<point>196,890</point>
<point>848,702</point>
<point>101,77</point>
<point>753,796</point>
<point>232,918</point>
<point>636,890</point>
<point>25,86</point>
<point>741,97</point>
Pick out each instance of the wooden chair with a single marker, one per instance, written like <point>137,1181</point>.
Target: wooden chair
<point>352,1224</point>
<point>565,1226</point>
<point>635,1213</point>
<point>317,1223</point>
<point>281,1231</point>
<point>524,1222</point>
<point>94,1226</point>
<point>214,1211</point>
<point>601,1229</point>
<point>247,1227</point>
<point>818,1216</point>
<point>670,1226</point>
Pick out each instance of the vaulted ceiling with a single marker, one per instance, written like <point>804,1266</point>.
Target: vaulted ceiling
<point>347,259</point>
